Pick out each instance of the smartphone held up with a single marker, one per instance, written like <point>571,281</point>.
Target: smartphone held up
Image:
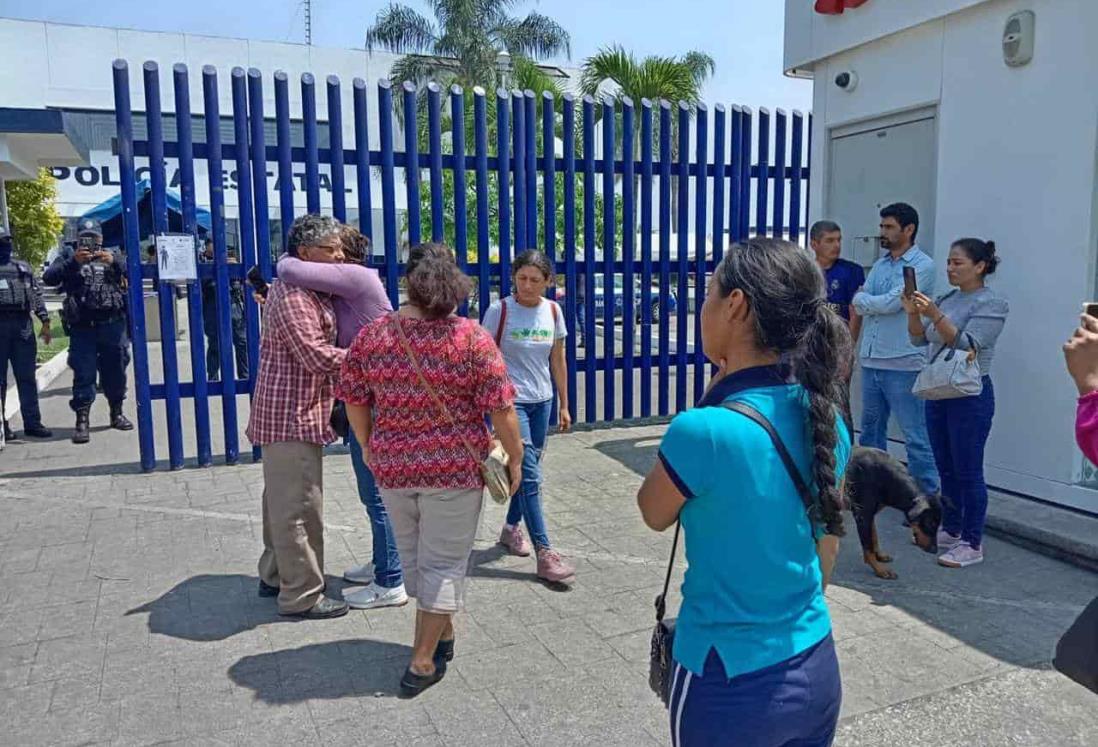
<point>910,286</point>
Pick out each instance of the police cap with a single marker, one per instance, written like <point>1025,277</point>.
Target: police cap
<point>89,227</point>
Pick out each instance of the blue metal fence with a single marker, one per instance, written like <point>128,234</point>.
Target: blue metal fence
<point>642,349</point>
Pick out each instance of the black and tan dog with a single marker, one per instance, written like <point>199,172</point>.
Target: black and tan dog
<point>874,480</point>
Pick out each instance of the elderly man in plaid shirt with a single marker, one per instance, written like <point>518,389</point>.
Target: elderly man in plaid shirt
<point>291,408</point>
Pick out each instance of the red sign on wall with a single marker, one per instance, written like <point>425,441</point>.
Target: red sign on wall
<point>836,7</point>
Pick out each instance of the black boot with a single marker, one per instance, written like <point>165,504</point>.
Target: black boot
<point>9,434</point>
<point>37,431</point>
<point>82,434</point>
<point>119,421</point>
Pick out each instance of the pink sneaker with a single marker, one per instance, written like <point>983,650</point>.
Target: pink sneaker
<point>515,541</point>
<point>552,567</point>
<point>961,556</point>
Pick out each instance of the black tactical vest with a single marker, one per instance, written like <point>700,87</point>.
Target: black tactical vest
<point>15,288</point>
<point>101,294</point>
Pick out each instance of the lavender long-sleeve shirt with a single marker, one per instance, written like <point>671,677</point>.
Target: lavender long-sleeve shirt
<point>358,293</point>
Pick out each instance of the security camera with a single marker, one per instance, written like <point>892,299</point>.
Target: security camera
<point>847,81</point>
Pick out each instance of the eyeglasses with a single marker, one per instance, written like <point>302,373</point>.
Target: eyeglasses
<point>328,247</point>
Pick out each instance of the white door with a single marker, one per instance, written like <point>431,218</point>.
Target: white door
<point>872,165</point>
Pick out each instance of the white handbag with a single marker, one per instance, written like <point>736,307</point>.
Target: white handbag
<point>955,375</point>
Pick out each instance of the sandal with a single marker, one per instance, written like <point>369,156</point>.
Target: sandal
<point>412,684</point>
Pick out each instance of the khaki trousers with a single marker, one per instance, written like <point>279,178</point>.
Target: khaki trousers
<point>434,531</point>
<point>293,524</point>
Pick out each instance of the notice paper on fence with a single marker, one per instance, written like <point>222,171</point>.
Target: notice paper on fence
<point>175,255</point>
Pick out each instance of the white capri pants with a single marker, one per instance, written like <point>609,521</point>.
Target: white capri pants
<point>434,530</point>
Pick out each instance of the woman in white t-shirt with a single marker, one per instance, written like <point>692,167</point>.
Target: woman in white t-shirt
<point>530,332</point>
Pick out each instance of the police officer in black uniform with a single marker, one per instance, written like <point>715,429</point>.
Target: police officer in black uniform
<point>94,313</point>
<point>20,296</point>
<point>212,327</point>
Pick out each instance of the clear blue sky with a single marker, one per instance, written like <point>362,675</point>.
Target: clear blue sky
<point>743,36</point>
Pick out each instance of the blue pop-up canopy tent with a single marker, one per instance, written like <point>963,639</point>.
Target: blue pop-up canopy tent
<point>109,215</point>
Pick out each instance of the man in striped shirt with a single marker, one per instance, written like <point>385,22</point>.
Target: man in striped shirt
<point>291,409</point>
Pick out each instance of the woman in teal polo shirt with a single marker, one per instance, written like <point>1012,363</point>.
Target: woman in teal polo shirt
<point>754,659</point>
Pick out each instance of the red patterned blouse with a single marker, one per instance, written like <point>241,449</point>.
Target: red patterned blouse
<point>413,445</point>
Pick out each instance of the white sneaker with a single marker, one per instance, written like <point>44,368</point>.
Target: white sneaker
<point>374,596</point>
<point>947,541</point>
<point>360,574</point>
<point>961,556</point>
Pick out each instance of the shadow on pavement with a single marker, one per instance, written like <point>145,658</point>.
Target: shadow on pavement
<point>1011,607</point>
<point>353,668</point>
<point>213,607</point>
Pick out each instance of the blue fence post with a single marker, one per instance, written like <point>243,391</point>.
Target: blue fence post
<point>194,289</point>
<point>518,116</point>
<point>549,182</point>
<point>735,175</point>
<point>165,291</point>
<point>568,126</point>
<point>664,376</point>
<point>718,183</point>
<point>411,162</point>
<point>434,136</point>
<point>795,175</point>
<point>682,264</point>
<point>457,139</point>
<point>362,164</point>
<point>808,179</point>
<point>246,218</point>
<point>312,154</point>
<point>701,142</point>
<point>130,230</point>
<point>503,192</point>
<point>262,224</point>
<point>589,346</point>
<point>388,189</point>
<point>609,248</point>
<point>335,150</point>
<point>285,160</point>
<point>628,237</point>
<point>480,137</point>
<point>745,174</point>
<point>778,221</point>
<point>762,186</point>
<point>531,170</point>
<point>217,211</point>
<point>646,259</point>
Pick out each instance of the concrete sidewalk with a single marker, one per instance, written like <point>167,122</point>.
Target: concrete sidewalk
<point>130,617</point>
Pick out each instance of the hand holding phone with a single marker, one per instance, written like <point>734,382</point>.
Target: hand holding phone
<point>255,278</point>
<point>910,286</point>
<point>1090,308</point>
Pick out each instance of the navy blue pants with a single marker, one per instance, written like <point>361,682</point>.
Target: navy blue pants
<point>212,329</point>
<point>794,703</point>
<point>101,348</point>
<point>958,433</point>
<point>17,345</point>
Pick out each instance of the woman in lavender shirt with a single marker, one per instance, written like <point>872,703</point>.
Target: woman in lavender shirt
<point>359,298</point>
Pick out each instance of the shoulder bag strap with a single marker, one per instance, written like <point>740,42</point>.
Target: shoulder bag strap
<point>430,389</point>
<point>790,466</point>
<point>661,600</point>
<point>502,321</point>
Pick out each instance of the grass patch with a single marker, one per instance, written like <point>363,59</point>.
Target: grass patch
<point>60,339</point>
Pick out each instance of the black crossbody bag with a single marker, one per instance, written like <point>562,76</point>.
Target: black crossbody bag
<point>660,669</point>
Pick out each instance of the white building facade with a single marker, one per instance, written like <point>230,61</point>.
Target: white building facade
<point>937,111</point>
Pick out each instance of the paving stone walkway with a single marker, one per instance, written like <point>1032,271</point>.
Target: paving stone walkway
<point>130,616</point>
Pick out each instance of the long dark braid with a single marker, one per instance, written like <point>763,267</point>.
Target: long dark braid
<point>785,290</point>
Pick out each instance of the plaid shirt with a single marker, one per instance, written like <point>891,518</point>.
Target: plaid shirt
<point>298,367</point>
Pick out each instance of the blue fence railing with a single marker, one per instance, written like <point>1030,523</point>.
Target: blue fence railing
<point>719,174</point>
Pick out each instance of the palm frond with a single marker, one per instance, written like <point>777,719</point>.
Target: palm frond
<point>700,65</point>
<point>611,64</point>
<point>526,75</point>
<point>402,30</point>
<point>535,36</point>
<point>421,69</point>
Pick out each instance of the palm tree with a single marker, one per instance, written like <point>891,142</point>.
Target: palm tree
<point>617,73</point>
<point>465,41</point>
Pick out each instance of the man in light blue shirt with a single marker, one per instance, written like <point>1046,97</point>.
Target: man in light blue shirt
<point>890,362</point>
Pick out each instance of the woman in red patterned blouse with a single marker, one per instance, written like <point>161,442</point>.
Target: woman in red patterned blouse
<point>430,483</point>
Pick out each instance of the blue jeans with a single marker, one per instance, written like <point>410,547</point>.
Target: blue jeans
<point>387,570</point>
<point>794,703</point>
<point>526,504</point>
<point>958,432</point>
<point>889,392</point>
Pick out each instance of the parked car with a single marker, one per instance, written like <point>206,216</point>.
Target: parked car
<point>618,301</point>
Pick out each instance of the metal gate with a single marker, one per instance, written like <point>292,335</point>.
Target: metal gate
<point>650,159</point>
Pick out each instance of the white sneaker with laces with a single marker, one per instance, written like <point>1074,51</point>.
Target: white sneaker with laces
<point>374,596</point>
<point>360,574</point>
<point>947,541</point>
<point>961,556</point>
